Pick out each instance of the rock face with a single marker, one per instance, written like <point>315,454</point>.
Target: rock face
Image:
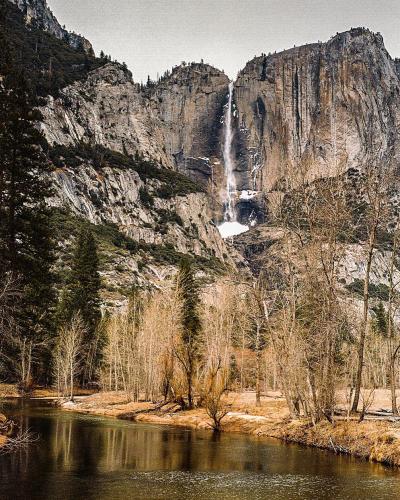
<point>106,109</point>
<point>318,109</point>
<point>315,110</point>
<point>38,13</point>
<point>189,104</point>
<point>176,122</point>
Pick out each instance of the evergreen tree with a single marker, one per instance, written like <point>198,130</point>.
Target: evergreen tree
<point>25,238</point>
<point>191,324</point>
<point>81,294</point>
<point>381,320</point>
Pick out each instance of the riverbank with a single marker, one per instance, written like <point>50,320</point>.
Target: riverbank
<point>3,441</point>
<point>375,440</point>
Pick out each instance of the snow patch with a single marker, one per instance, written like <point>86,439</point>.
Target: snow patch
<point>228,229</point>
<point>248,194</point>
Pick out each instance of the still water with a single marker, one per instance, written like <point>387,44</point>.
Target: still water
<point>86,457</point>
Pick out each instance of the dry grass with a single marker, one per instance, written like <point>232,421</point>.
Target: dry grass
<point>11,391</point>
<point>374,440</point>
<point>8,391</point>
<point>50,392</point>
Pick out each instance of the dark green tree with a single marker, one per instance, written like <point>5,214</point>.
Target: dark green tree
<point>380,320</point>
<point>191,324</point>
<point>81,294</point>
<point>26,246</point>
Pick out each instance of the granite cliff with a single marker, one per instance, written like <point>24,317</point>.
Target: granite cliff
<point>320,108</point>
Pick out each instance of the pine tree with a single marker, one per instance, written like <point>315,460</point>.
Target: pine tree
<point>81,295</point>
<point>25,236</point>
<point>191,324</point>
<point>381,320</point>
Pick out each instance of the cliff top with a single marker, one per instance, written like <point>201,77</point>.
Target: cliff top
<point>37,12</point>
<point>335,44</point>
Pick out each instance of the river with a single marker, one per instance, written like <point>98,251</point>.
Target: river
<point>87,457</point>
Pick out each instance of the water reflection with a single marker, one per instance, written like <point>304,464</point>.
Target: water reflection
<point>89,457</point>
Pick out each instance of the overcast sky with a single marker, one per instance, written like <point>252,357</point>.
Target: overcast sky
<point>154,35</point>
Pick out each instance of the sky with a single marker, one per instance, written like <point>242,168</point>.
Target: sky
<point>151,36</point>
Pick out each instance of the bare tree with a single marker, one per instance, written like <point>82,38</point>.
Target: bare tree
<point>256,324</point>
<point>391,323</point>
<point>221,317</point>
<point>68,355</point>
<point>376,184</point>
<point>309,313</point>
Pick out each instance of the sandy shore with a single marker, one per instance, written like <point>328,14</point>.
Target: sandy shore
<point>375,440</point>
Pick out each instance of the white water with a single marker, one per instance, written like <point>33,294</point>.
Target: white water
<point>230,214</point>
<point>230,226</point>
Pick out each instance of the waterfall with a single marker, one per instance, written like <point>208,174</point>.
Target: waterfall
<point>230,227</point>
<point>229,211</point>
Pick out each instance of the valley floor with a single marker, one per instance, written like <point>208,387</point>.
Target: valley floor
<point>376,438</point>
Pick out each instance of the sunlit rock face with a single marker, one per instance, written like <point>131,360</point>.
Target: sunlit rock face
<point>37,12</point>
<point>317,109</point>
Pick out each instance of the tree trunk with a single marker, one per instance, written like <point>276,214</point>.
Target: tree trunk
<point>364,330</point>
<point>190,395</point>
<point>393,385</point>
<point>258,377</point>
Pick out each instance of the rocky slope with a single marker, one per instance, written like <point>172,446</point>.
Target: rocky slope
<point>145,218</point>
<point>38,13</point>
<point>139,206</point>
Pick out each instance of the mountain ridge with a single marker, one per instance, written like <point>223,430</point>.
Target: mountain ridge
<point>39,13</point>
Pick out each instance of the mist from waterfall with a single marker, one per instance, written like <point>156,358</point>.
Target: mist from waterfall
<point>230,226</point>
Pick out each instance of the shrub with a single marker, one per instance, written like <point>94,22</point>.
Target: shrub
<point>146,198</point>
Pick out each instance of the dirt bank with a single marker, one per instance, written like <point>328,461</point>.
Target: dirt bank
<point>375,440</point>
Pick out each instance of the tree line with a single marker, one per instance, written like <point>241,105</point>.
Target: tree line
<point>30,312</point>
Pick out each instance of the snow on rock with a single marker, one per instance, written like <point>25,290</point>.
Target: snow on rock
<point>228,229</point>
<point>248,194</point>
